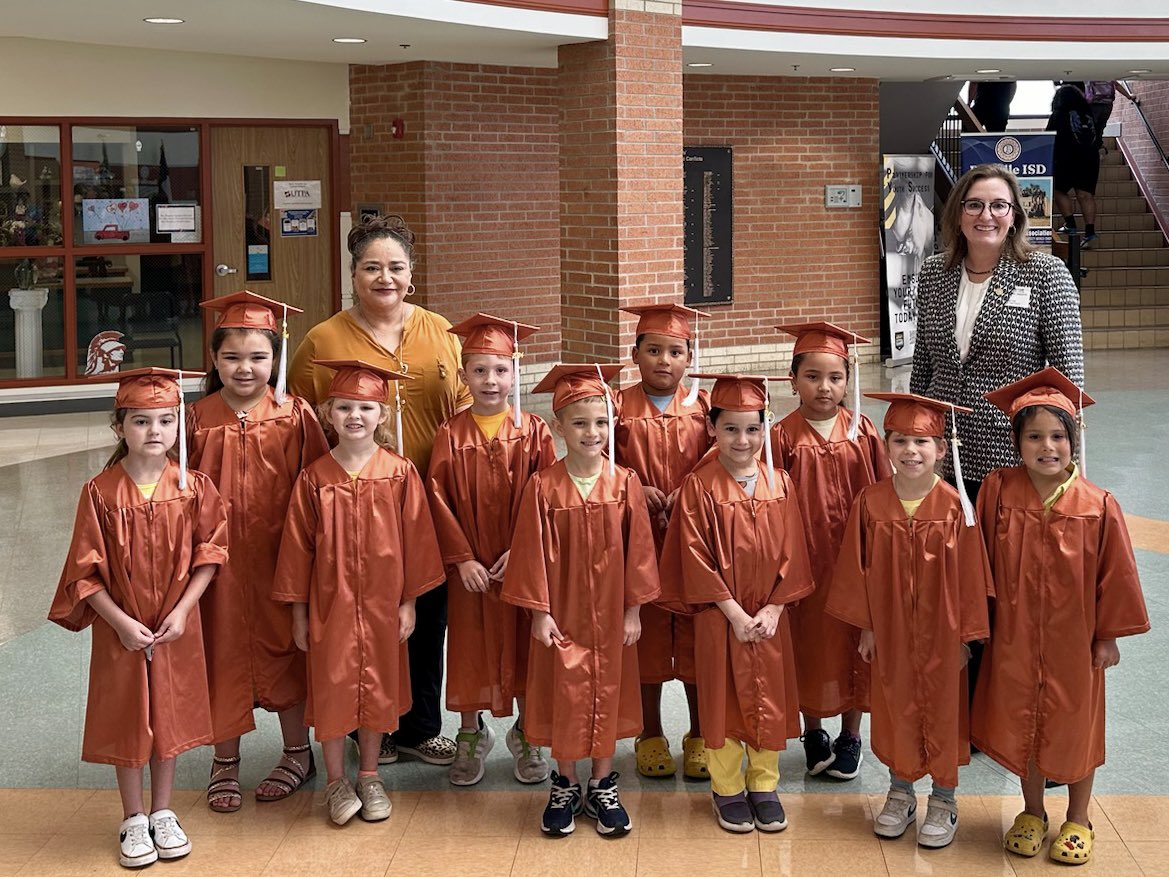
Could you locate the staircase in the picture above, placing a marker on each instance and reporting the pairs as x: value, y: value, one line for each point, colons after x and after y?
x: 1124, y: 300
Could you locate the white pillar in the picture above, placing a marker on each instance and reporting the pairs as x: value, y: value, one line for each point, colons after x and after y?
x: 28, y: 304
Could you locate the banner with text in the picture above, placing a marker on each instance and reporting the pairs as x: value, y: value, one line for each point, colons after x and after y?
x: 908, y: 230
x: 1029, y: 156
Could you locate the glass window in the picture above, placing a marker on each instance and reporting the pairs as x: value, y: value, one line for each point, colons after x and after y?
x: 32, y: 319
x: 123, y: 175
x: 30, y: 186
x: 147, y: 304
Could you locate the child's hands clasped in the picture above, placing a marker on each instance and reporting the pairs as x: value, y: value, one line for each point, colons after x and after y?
x: 1105, y: 654
x: 499, y: 568
x: 474, y: 575
x: 172, y: 626
x: 544, y: 629
x: 766, y: 621
x: 134, y: 635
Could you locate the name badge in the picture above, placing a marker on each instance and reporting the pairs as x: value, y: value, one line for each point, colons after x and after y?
x: 1020, y: 298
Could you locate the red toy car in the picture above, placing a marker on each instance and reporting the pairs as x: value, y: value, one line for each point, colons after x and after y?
x: 111, y: 232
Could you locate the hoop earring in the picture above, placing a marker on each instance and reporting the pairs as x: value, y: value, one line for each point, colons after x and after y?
x: 410, y: 289
x: 1012, y: 231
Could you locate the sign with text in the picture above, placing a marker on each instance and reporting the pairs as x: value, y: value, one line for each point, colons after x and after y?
x: 707, y: 256
x: 908, y: 230
x: 296, y: 194
x: 1029, y: 156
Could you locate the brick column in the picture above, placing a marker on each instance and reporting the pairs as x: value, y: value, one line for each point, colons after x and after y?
x: 620, y: 175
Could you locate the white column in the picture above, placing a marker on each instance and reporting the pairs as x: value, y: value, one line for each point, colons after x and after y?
x: 28, y: 304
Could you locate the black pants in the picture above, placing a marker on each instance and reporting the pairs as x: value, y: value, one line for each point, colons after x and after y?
x: 425, y: 646
x: 972, y: 667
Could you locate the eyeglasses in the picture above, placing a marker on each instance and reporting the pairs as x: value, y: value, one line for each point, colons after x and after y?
x: 975, y: 206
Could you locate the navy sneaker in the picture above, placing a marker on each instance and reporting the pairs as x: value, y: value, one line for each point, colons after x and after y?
x: 564, y: 802
x: 818, y: 751
x: 603, y: 805
x: 1089, y: 241
x: 847, y: 763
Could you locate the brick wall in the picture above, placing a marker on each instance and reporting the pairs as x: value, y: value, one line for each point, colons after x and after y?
x: 475, y: 176
x: 1154, y: 98
x: 794, y: 260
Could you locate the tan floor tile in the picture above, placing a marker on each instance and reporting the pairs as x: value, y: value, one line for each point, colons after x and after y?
x: 74, y: 855
x: 273, y: 818
x: 431, y: 855
x: 829, y: 816
x: 101, y: 813
x: 584, y: 853
x: 967, y: 856
x: 223, y: 855
x: 356, y: 849
x: 711, y: 857
x: 475, y: 814
x: 1149, y: 855
x: 784, y: 856
x: 672, y: 814
x: 1108, y: 857
x: 17, y: 849
x: 1136, y: 817
x: 31, y: 810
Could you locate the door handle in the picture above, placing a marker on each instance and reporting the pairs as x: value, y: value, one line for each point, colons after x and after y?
x: 222, y: 270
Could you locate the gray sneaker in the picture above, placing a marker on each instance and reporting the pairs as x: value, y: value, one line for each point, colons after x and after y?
x: 940, y: 825
x: 471, y: 748
x: 530, y: 764
x: 375, y: 803
x: 342, y: 801
x: 899, y: 812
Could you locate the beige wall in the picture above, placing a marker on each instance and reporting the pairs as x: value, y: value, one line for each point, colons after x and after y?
x: 77, y: 79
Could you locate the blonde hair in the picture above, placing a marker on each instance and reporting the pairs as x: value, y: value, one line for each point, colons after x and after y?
x: 121, y: 449
x: 954, y: 242
x: 383, y: 434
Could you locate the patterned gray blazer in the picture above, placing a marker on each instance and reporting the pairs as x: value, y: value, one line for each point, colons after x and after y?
x: 1010, y: 341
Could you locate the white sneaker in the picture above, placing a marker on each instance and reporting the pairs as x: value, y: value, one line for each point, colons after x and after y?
x: 169, y: 838
x: 136, y: 849
x: 941, y: 824
x: 898, y: 814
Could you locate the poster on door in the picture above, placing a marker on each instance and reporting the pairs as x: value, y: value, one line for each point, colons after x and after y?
x: 1029, y: 156
x: 298, y: 223
x: 907, y: 228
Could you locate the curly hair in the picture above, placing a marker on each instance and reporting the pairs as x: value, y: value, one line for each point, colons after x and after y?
x: 379, y: 228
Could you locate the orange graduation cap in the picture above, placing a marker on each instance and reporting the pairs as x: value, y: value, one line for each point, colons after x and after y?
x: 746, y: 393
x: 911, y: 414
x: 822, y: 337
x: 247, y: 310
x: 154, y: 387
x: 571, y: 382
x: 365, y: 382
x: 495, y: 336
x: 673, y: 321
x: 1047, y: 387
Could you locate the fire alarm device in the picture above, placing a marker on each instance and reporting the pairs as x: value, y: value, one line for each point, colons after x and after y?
x: 398, y: 128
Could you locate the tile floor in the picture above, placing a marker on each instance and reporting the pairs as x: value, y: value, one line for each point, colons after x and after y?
x: 59, y: 816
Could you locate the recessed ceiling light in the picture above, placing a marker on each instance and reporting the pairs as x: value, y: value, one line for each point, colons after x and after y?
x: 163, y: 20
x: 700, y: 64
x: 989, y: 70
x: 1138, y: 72
x: 842, y: 69
x: 348, y: 40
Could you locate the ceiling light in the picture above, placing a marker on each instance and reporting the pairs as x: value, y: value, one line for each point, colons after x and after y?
x: 989, y: 70
x: 700, y: 64
x: 842, y: 69
x: 348, y: 40
x: 1139, y: 72
x: 163, y: 20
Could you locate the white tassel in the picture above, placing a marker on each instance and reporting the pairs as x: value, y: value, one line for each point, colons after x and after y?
x: 182, y: 435
x: 855, y: 426
x: 1081, y: 443
x: 692, y: 396
x: 515, y: 359
x: 963, y: 497
x: 767, y: 453
x: 282, y: 369
x: 609, y: 415
x: 398, y: 418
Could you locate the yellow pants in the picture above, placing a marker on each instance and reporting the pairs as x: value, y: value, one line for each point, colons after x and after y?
x: 726, y: 769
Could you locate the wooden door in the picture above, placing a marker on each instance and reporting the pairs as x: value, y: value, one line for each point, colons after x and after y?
x: 301, y: 266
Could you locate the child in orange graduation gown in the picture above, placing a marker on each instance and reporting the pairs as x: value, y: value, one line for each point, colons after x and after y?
x: 735, y: 554
x: 583, y: 564
x: 830, y: 453
x: 661, y: 434
x: 358, y: 549
x: 1067, y: 588
x: 252, y: 440
x: 148, y: 538
x: 913, y: 576
x: 482, y: 460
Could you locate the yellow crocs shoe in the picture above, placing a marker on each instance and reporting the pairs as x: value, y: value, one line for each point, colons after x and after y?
x: 1073, y: 845
x: 1026, y: 835
x: 653, y: 757
x: 694, y: 758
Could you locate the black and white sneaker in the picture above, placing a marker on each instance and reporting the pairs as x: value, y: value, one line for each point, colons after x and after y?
x: 818, y: 751
x: 564, y: 802
x: 846, y: 763
x: 603, y: 805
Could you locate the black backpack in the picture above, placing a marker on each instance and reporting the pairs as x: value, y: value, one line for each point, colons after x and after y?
x: 1083, y: 127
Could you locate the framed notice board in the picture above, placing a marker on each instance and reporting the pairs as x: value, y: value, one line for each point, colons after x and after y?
x: 706, y: 260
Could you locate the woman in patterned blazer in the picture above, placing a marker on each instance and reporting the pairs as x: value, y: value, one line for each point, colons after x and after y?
x: 990, y: 310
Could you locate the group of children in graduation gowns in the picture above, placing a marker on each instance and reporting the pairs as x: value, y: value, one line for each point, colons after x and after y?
x: 818, y: 579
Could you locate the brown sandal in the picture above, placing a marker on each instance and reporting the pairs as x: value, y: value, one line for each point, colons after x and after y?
x: 289, y: 779
x: 220, y: 792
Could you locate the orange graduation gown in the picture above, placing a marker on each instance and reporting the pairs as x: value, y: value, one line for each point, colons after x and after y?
x: 921, y: 586
x: 254, y: 461
x: 828, y: 474
x: 584, y: 562
x: 1063, y: 580
x: 142, y: 551
x: 724, y: 544
x: 662, y: 447
x: 474, y: 487
x: 354, y: 549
